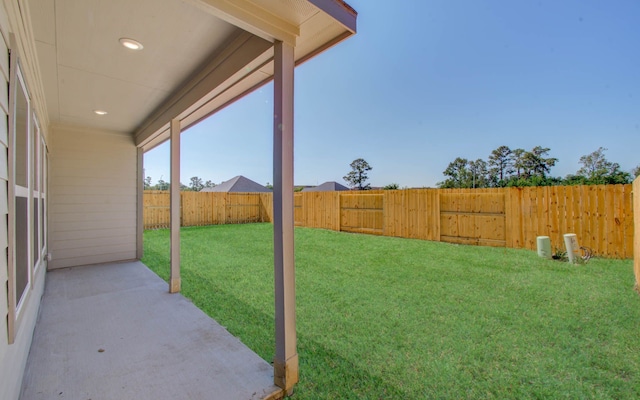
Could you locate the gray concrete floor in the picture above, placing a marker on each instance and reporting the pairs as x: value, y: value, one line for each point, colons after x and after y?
x: 114, y: 332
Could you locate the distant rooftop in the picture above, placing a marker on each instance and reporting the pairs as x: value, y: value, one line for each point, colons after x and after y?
x: 326, y: 187
x: 238, y: 184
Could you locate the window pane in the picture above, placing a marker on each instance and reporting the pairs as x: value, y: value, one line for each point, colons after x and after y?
x: 36, y: 236
x: 42, y: 225
x: 43, y: 188
x: 42, y: 166
x: 36, y: 157
x: 21, y: 144
x: 22, y: 246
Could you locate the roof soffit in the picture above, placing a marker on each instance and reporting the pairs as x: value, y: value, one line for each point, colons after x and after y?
x: 84, y: 67
x: 189, y: 52
x: 222, y: 70
x: 260, y: 21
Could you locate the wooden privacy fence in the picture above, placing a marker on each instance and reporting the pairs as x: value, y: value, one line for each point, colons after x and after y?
x: 207, y: 208
x: 601, y: 216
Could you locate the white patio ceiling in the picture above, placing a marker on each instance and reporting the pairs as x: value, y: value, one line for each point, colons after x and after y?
x: 198, y: 56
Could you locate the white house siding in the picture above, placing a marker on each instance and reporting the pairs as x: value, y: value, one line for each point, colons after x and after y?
x: 5, y: 390
x: 92, y: 197
x: 13, y: 357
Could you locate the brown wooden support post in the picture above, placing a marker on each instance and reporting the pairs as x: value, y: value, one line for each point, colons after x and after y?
x: 140, y: 205
x: 286, y: 358
x: 174, y: 280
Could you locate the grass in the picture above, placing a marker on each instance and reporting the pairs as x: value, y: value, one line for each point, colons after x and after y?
x: 381, y: 317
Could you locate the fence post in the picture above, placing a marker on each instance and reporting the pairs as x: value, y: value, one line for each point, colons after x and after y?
x: 636, y: 235
x: 436, y: 213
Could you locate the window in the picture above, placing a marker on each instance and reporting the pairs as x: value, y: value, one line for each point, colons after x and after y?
x: 38, y: 214
x: 43, y: 199
x: 27, y: 159
x: 22, y: 140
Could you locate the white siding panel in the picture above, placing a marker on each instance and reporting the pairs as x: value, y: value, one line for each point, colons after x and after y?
x: 73, y: 195
x: 4, y: 126
x: 90, y: 208
x: 89, y: 251
x: 3, y: 225
x: 88, y: 260
x: 92, y: 197
x: 8, y: 354
x: 107, y: 183
x: 4, y: 59
x: 4, y: 98
x: 89, y: 224
x: 4, y: 206
x: 4, y: 77
x: 3, y: 305
x: 93, y: 160
x: 4, y: 173
x: 102, y: 234
x: 90, y: 218
x: 86, y: 243
x: 89, y: 171
x: 13, y: 358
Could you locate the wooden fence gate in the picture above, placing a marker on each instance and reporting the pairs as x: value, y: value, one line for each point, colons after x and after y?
x: 473, y: 218
x: 362, y: 213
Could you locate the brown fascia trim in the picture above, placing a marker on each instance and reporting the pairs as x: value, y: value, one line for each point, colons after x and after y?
x: 347, y: 7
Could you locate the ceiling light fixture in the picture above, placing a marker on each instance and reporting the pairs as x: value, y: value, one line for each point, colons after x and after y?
x: 100, y: 112
x: 131, y: 44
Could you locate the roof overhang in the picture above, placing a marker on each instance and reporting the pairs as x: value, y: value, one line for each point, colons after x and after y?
x: 198, y: 57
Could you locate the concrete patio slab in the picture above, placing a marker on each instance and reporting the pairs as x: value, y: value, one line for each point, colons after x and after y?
x: 114, y: 332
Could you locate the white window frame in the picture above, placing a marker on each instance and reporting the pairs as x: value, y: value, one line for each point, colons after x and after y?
x: 23, y: 192
x: 36, y: 194
x: 36, y: 158
x: 44, y: 207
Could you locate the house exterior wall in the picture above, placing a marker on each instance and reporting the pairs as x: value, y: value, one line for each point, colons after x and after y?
x: 4, y: 206
x: 93, y: 197
x: 13, y: 357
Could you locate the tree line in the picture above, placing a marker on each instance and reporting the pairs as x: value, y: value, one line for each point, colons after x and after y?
x: 503, y: 168
x: 196, y: 184
x: 508, y: 168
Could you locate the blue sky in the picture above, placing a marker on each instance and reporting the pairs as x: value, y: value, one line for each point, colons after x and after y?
x: 424, y: 82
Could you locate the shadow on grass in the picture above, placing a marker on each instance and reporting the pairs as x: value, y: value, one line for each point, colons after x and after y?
x: 324, y: 374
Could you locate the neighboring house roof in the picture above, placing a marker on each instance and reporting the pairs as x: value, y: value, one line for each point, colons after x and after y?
x: 326, y: 187
x: 238, y: 184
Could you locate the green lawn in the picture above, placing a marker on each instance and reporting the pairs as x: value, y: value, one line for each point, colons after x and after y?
x: 382, y: 317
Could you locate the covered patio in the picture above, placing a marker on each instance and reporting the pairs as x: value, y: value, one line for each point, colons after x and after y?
x: 113, y: 331
x: 92, y: 86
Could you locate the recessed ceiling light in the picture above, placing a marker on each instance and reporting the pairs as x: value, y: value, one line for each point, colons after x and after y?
x: 100, y: 112
x: 131, y: 44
